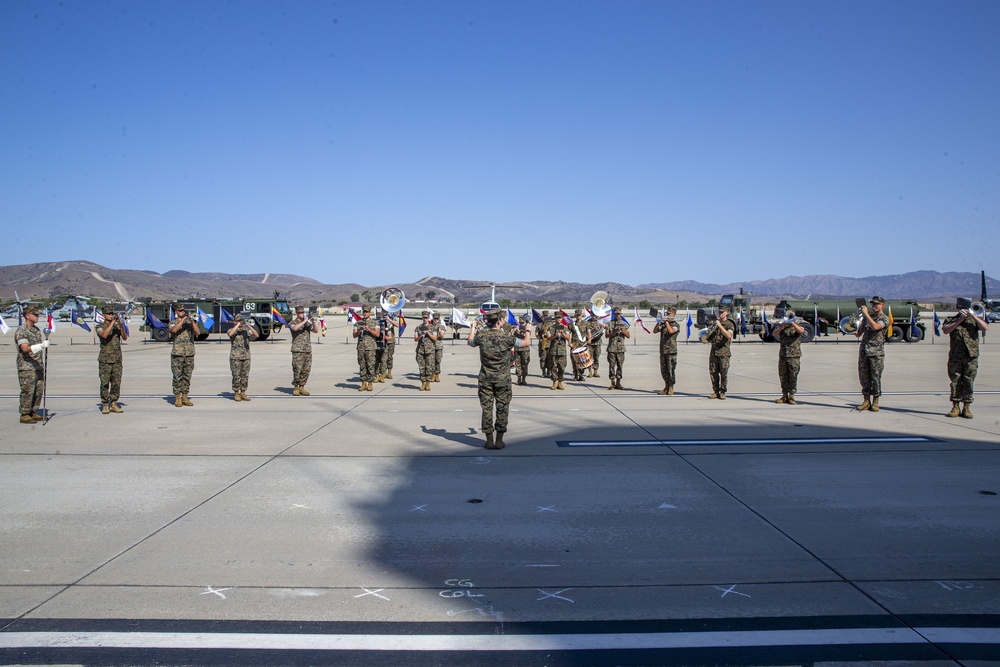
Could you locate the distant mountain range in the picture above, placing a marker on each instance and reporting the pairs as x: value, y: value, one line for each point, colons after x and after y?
x: 53, y: 279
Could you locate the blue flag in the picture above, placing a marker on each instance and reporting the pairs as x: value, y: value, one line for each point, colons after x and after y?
x: 816, y: 321
x: 153, y: 321
x: 914, y: 329
x: 224, y: 315
x: 77, y: 318
x: 937, y: 323
x: 536, y: 317
x: 207, y: 321
x: 511, y: 320
x: 743, y: 322
x: 689, y: 323
x: 767, y: 325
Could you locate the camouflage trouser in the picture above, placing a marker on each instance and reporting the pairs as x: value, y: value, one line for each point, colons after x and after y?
x: 495, y: 393
x: 182, y: 369
x: 425, y: 364
x: 557, y: 365
x: 438, y: 353
x: 383, y: 359
x: 522, y: 356
x: 962, y: 372
x: 241, y: 374
x: 595, y: 354
x: 668, y: 369
x: 616, y: 363
x: 366, y: 365
x: 111, y: 381
x: 788, y: 373
x: 543, y: 354
x: 870, y: 374
x: 301, y: 367
x: 32, y: 388
x: 718, y: 371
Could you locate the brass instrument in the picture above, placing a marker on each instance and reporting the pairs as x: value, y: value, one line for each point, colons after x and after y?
x: 600, y: 304
x: 977, y: 309
x: 849, y: 325
x: 392, y: 300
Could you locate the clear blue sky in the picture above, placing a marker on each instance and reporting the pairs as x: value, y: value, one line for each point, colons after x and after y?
x: 380, y: 142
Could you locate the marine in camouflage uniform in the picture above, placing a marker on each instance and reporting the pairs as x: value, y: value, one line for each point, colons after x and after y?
x: 386, y: 349
x: 579, y: 337
x: 963, y: 358
x: 720, y: 354
x: 495, y: 347
x: 596, y: 336
x: 522, y: 355
x: 184, y: 330
x: 440, y: 331
x: 367, y: 333
x: 789, y: 335
x: 240, y: 335
x: 668, y: 330
x: 871, y: 353
x: 424, y: 337
x: 301, y: 329
x: 30, y: 371
x: 558, y: 336
x: 109, y: 360
x: 543, y: 343
x: 618, y: 331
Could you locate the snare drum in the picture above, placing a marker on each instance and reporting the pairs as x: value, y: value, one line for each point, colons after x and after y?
x: 581, y: 356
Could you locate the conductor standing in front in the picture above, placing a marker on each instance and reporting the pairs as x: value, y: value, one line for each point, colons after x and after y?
x: 495, y: 346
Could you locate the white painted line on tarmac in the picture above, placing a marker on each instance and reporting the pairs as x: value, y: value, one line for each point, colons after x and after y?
x: 748, y: 441
x: 535, y: 642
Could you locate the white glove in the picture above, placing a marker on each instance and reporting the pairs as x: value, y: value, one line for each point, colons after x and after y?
x: 38, y: 347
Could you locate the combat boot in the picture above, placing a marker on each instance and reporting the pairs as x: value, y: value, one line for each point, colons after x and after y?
x: 499, y: 444
x: 389, y: 374
x: 555, y: 384
x: 967, y: 411
x: 243, y: 394
x: 489, y: 441
x: 864, y: 406
x: 362, y: 387
x: 954, y: 410
x: 722, y: 395
x: 670, y: 390
x: 296, y: 392
x: 783, y: 399
x: 105, y: 409
x: 612, y: 385
x: 596, y: 374
x: 715, y: 394
x: 237, y: 397
x: 618, y: 384
x: 177, y: 400
x: 186, y: 401
x: 791, y: 399
x: 37, y: 417
x: 663, y: 392
x: 371, y: 386
x: 302, y: 391
x: 436, y: 378
x: 114, y: 408
x: 560, y: 385
x: 874, y: 406
x: 26, y: 419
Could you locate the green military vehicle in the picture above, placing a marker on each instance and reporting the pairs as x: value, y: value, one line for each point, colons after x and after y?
x: 256, y: 311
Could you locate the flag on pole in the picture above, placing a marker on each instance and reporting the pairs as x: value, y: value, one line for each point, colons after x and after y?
x: 566, y: 319
x: 224, y: 316
x: 743, y: 322
x: 277, y: 316
x: 511, y: 319
x: 51, y: 322
x: 153, y: 321
x: 937, y: 322
x: 767, y: 325
x: 459, y: 318
x: 124, y: 321
x: 98, y: 316
x: 3, y: 326
x: 816, y: 325
x: 838, y: 320
x: 207, y: 320
x: 322, y: 320
x: 402, y: 323
x: 889, y: 333
x: 536, y: 317
x: 689, y: 323
x: 914, y: 329
x: 352, y: 317
x: 76, y: 317
x: 638, y: 320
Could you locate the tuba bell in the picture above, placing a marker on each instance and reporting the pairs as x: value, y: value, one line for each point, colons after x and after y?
x: 392, y: 300
x: 600, y: 304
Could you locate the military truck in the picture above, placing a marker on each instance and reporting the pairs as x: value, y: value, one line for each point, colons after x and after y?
x: 255, y: 311
x: 822, y: 316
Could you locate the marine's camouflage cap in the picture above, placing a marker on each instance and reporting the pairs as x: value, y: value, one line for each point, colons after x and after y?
x: 525, y: 318
x: 876, y: 300
x: 31, y: 310
x: 299, y: 309
x: 425, y: 313
x: 437, y: 316
x: 366, y: 309
x: 578, y: 311
x: 108, y: 310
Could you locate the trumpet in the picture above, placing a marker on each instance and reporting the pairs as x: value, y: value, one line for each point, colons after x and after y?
x: 977, y: 309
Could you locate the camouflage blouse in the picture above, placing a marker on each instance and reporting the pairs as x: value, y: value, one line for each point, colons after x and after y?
x: 183, y: 341
x: 28, y: 335
x: 872, y: 341
x: 366, y: 341
x: 240, y: 345
x: 616, y: 339
x: 964, y: 339
x: 111, y: 347
x: 494, y: 354
x: 668, y: 341
x: 301, y: 339
x: 721, y: 345
x: 791, y: 342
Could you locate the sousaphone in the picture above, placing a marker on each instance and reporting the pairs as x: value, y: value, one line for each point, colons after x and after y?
x: 392, y: 300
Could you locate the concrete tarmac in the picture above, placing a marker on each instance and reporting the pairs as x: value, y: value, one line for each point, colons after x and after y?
x: 617, y: 527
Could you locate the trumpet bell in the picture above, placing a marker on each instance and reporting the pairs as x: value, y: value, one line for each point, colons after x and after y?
x: 978, y: 308
x: 392, y: 300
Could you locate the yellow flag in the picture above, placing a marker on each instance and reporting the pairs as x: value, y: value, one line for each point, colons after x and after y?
x: 890, y: 321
